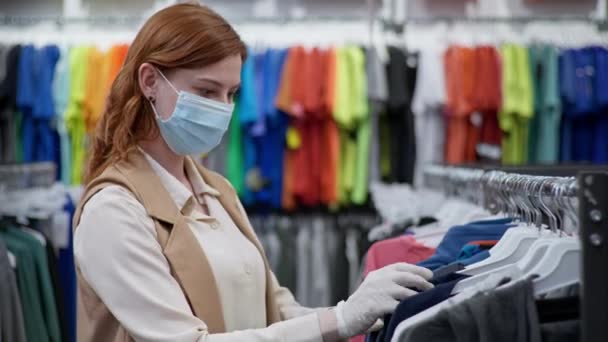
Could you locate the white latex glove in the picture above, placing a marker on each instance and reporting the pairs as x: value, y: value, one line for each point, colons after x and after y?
x: 378, y: 295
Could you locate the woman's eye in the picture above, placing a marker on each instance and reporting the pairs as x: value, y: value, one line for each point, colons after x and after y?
x: 206, y: 92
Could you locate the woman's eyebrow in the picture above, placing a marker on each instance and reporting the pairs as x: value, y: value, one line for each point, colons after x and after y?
x: 216, y: 82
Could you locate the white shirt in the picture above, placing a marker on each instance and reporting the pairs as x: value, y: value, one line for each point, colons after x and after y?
x: 427, y: 105
x: 117, y: 251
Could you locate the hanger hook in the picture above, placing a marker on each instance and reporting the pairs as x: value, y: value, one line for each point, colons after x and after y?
x: 547, y: 210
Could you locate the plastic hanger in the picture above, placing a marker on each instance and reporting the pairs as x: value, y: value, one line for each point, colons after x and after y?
x: 517, y: 252
x: 12, y: 260
x: 511, y: 247
x: 560, y: 265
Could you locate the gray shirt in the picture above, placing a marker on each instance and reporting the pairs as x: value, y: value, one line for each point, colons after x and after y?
x: 507, y: 314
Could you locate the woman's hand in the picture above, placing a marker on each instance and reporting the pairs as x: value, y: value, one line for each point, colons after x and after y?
x: 379, y: 294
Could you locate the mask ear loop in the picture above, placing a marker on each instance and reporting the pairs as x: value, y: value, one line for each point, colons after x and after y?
x: 170, y: 84
x: 151, y: 99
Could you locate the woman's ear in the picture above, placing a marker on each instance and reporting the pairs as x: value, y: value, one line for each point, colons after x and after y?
x: 148, y: 80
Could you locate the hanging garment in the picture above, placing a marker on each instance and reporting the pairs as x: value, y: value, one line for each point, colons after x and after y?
x: 418, y: 303
x: 95, y: 95
x: 12, y: 326
x: 273, y: 143
x: 36, y: 288
x: 283, y: 103
x: 544, y: 127
x: 35, y: 101
x: 35, y: 327
x: 9, y: 137
x: 488, y: 101
x: 506, y: 314
x: 377, y: 93
x: 234, y: 159
x: 331, y: 134
x: 461, y: 133
x: 457, y: 237
x: 248, y: 115
x: 400, y: 249
x: 600, y: 152
x: 115, y: 58
x: 67, y: 272
x: 61, y: 97
x: 427, y: 105
x: 518, y: 103
x: 401, y: 71
x: 585, y: 105
x: 567, y: 77
x: 74, y: 115
x: 307, y: 188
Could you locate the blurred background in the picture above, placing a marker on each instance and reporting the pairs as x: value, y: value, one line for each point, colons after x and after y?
x: 344, y: 103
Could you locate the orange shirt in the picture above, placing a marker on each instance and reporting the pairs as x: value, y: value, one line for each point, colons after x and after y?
x: 115, y: 59
x: 331, y: 134
x: 283, y: 99
x: 299, y: 78
x: 94, y: 95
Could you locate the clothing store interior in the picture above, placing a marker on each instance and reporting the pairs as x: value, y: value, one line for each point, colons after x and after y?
x: 467, y: 137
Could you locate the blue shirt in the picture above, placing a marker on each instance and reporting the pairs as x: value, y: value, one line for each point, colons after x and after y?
x: 585, y: 105
x: 259, y: 127
x: 420, y: 302
x: 600, y: 149
x: 567, y: 77
x: 585, y: 75
x: 25, y: 99
x: 457, y: 237
x: 271, y: 145
x: 247, y: 97
x: 35, y: 101
x: 67, y: 275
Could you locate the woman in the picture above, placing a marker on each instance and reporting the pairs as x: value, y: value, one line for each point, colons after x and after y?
x: 163, y: 247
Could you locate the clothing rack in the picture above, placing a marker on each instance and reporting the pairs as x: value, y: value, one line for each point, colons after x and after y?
x: 24, y: 176
x: 590, y: 187
x: 134, y: 20
x: 399, y: 26
x: 593, y: 201
x: 386, y: 24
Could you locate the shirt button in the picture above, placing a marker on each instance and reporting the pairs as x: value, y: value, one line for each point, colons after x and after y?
x: 215, y: 225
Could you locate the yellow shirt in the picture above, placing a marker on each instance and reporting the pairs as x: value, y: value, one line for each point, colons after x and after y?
x: 74, y: 117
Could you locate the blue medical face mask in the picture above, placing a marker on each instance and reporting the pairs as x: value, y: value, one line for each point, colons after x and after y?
x: 197, y: 124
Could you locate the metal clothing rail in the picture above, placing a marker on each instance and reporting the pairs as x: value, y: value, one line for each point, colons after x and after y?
x: 132, y: 20
x: 24, y: 176
x: 593, y: 218
x: 520, y: 183
x: 387, y: 24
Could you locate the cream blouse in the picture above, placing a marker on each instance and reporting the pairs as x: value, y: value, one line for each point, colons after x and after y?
x: 116, y: 248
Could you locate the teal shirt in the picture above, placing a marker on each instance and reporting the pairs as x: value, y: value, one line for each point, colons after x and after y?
x: 543, y: 143
x: 61, y: 94
x: 43, y: 283
x: 547, y: 150
x: 27, y: 280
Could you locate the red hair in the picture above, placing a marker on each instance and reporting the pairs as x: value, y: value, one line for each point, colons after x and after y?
x: 179, y: 36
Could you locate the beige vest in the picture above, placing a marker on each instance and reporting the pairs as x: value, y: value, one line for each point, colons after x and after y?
x: 189, y: 265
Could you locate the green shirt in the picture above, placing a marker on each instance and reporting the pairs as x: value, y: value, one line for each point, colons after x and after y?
x: 43, y: 281
x: 29, y: 294
x: 234, y: 161
x: 518, y: 103
x: 74, y: 115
